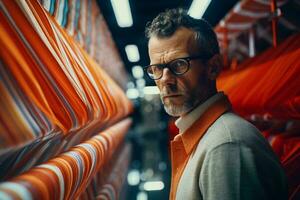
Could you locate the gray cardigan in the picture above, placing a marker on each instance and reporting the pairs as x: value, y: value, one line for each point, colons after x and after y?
x: 232, y: 161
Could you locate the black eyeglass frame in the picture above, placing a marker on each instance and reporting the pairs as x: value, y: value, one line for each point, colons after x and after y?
x: 166, y: 65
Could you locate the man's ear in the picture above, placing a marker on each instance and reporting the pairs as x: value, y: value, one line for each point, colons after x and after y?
x: 214, y: 66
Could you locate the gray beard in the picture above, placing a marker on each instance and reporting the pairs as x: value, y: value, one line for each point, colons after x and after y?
x: 180, y: 110
x: 177, y: 111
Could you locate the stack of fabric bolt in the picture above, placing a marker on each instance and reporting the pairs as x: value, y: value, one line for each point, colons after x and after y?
x: 54, y: 97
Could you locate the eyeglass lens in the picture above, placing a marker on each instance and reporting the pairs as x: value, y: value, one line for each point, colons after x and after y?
x: 178, y: 66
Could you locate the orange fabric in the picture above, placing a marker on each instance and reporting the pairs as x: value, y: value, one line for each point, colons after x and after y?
x: 268, y: 83
x: 54, y: 74
x: 183, y: 145
x: 77, y: 166
x: 14, y: 56
x: 286, y: 146
x: 55, y: 96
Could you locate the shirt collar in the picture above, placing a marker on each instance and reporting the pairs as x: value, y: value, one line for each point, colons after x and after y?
x: 190, y: 138
x: 183, y: 123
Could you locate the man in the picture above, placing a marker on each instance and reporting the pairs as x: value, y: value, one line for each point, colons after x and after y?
x: 217, y: 155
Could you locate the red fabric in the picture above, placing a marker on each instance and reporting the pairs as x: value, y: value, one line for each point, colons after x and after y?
x: 277, y: 143
x: 268, y: 83
x: 291, y: 164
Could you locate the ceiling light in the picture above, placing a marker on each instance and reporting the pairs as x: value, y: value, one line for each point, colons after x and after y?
x: 133, y: 177
x: 132, y: 93
x: 122, y: 12
x: 130, y: 84
x: 198, y: 8
x: 151, y: 90
x: 132, y: 53
x: 137, y: 72
x: 140, y: 83
x: 153, y: 185
x: 142, y: 196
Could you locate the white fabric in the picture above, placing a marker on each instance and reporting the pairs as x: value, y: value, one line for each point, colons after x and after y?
x: 5, y: 196
x: 17, y: 188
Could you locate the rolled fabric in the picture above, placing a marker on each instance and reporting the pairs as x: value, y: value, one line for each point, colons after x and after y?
x: 67, y: 175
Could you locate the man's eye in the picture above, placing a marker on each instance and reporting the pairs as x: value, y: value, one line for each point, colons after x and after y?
x: 178, y: 65
x: 154, y: 69
x: 157, y: 68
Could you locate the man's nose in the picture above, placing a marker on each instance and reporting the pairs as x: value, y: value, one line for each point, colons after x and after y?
x: 168, y: 76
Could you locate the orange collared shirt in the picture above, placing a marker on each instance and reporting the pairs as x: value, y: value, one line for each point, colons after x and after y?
x: 184, y: 144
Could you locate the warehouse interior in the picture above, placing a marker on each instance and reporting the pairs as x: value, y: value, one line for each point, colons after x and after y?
x: 79, y: 117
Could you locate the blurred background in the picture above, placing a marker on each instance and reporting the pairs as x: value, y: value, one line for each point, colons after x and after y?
x: 71, y: 71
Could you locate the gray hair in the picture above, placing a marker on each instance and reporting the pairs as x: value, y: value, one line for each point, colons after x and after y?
x: 166, y: 23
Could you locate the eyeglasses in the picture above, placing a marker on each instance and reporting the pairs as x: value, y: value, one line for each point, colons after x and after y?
x: 178, y: 66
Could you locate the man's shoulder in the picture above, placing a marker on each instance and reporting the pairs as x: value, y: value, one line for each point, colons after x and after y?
x: 231, y: 128
x: 233, y: 124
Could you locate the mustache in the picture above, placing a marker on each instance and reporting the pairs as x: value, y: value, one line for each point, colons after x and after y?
x: 168, y: 91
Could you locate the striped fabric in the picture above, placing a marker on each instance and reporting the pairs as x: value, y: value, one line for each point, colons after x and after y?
x: 54, y: 96
x: 67, y: 175
x: 243, y: 16
x: 42, y: 66
x: 83, y: 20
x: 110, y: 187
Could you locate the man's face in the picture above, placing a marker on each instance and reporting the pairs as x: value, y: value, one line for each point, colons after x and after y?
x: 179, y: 94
